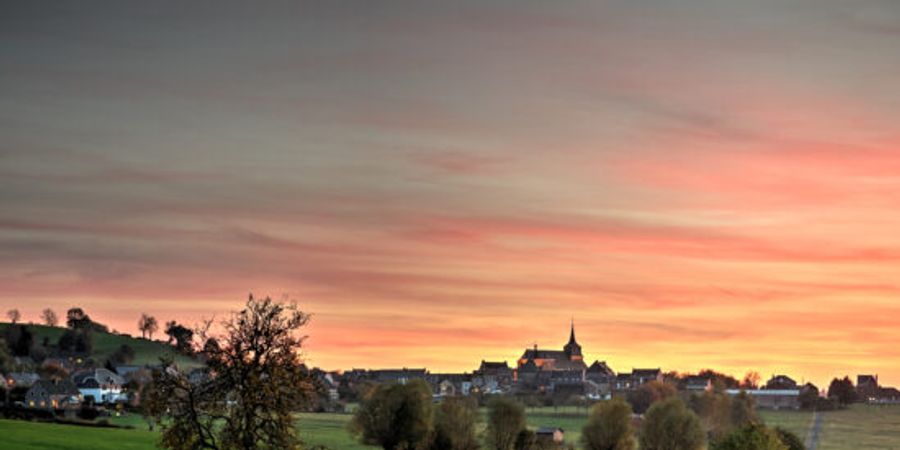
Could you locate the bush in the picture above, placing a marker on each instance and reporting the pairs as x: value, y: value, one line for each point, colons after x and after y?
x: 454, y: 425
x: 751, y: 437
x: 669, y: 424
x: 609, y: 427
x: 395, y: 415
x: 789, y: 439
x: 648, y: 394
x: 506, y: 419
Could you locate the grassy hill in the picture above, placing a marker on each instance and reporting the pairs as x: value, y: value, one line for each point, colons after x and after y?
x: 105, y: 344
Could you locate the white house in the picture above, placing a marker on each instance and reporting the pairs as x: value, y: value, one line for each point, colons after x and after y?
x: 102, y: 385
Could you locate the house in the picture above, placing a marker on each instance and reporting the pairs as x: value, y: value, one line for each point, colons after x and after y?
x: 101, y: 385
x: 640, y: 377
x: 550, y: 435
x: 399, y: 376
x: 46, y: 394
x: 771, y: 398
x: 867, y: 387
x: 697, y: 383
x: 21, y: 379
x: 779, y: 382
x: 493, y: 377
x: 451, y: 384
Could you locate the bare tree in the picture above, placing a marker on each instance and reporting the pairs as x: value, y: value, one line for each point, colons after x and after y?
x: 14, y: 315
x: 49, y: 317
x: 254, y: 381
x: 148, y: 325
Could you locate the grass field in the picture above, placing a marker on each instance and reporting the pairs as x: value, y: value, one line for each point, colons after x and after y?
x: 105, y: 344
x: 862, y: 427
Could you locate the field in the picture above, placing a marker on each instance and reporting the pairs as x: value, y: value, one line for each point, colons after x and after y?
x: 861, y: 427
x: 105, y: 344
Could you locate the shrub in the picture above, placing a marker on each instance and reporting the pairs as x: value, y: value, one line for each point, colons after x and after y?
x: 609, y: 427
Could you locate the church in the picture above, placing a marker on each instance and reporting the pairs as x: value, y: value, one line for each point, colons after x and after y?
x: 569, y: 358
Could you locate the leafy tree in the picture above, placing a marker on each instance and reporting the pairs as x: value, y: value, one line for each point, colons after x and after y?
x: 809, y: 396
x: 751, y: 380
x: 6, y: 359
x: 49, y: 317
x: 526, y: 440
x: 13, y: 315
x: 843, y: 391
x: 256, y: 381
x: 714, y: 409
x: 76, y: 341
x: 395, y: 416
x: 20, y: 339
x: 743, y: 410
x: 789, y: 439
x: 751, y: 437
x: 609, y: 427
x: 454, y: 425
x: 506, y: 418
x: 720, y: 381
x: 670, y: 425
x: 123, y: 355
x: 147, y: 325
x: 77, y: 319
x: 53, y: 372
x: 648, y: 394
x: 181, y: 335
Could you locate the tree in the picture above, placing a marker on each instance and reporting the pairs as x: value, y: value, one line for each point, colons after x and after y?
x: 809, y: 396
x: 648, y: 394
x: 77, y: 319
x: 76, y: 341
x: 395, y: 415
x: 255, y: 381
x: 49, y: 317
x: 19, y: 339
x: 506, y: 418
x: 715, y: 410
x: 751, y: 437
x: 123, y: 355
x: 13, y: 315
x: 454, y: 425
x: 181, y: 335
x: 53, y: 372
x: 147, y: 325
x: 789, y: 439
x: 670, y: 425
x: 609, y: 427
x: 743, y: 410
x: 751, y: 380
x: 842, y: 390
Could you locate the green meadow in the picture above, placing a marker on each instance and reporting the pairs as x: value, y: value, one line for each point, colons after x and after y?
x: 860, y: 427
x: 105, y: 344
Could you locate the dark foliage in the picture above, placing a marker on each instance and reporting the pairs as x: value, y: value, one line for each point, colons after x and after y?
x: 395, y: 416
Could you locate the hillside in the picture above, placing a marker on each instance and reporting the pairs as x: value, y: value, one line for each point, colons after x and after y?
x: 146, y: 351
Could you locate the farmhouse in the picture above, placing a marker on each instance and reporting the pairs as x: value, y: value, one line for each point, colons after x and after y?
x: 102, y: 385
x: 46, y: 394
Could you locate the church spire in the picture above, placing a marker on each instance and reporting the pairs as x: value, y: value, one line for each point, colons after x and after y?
x: 572, y: 349
x: 572, y: 333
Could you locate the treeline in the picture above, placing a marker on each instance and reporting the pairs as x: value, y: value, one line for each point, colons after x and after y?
x: 397, y: 416
x: 18, y: 340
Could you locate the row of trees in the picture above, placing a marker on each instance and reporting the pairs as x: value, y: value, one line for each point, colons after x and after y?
x: 396, y: 416
x: 48, y: 317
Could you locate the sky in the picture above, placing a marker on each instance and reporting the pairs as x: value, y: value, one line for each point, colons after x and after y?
x: 697, y: 183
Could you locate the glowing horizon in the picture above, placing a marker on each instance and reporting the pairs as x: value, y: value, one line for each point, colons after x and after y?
x: 701, y: 186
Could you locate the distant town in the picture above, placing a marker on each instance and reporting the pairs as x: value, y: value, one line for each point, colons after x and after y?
x: 61, y: 375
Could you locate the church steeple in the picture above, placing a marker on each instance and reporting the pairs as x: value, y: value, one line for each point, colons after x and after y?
x: 572, y: 349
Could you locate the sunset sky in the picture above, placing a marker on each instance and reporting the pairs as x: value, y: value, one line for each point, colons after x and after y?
x: 697, y: 183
